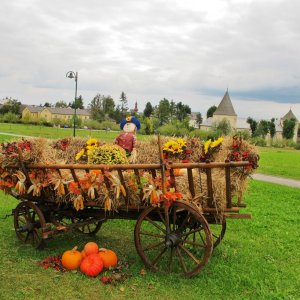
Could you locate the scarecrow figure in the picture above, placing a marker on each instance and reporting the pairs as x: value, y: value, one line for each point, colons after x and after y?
x: 127, y: 138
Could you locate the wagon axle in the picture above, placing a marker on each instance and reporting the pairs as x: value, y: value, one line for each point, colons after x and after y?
x: 172, y: 240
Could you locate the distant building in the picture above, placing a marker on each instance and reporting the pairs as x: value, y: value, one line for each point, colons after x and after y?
x: 226, y: 111
x: 51, y: 114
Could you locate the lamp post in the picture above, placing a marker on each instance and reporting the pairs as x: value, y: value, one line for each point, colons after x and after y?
x: 72, y: 75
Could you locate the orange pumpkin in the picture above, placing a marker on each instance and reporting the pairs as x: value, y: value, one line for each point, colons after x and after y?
x: 109, y: 257
x: 91, y: 248
x: 71, y: 259
x: 92, y: 265
x: 83, y: 254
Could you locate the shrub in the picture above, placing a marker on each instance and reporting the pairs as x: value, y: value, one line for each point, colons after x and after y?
x: 283, y: 143
x: 259, y: 141
x: 297, y: 146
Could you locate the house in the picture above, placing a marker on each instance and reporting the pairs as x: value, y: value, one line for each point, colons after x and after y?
x: 51, y: 114
x: 226, y: 111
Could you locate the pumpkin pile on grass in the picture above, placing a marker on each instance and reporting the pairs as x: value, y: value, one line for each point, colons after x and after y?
x: 91, y: 260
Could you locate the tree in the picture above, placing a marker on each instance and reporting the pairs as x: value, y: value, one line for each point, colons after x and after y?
x: 222, y: 128
x: 182, y: 111
x: 108, y: 104
x: 211, y: 111
x: 96, y: 107
x: 11, y: 106
x: 172, y: 110
x: 117, y: 114
x: 288, y: 128
x: 262, y: 128
x: 78, y: 104
x: 199, y: 119
x: 47, y: 104
x: 272, y: 127
x: 124, y: 103
x: 253, y: 125
x: 61, y: 104
x: 148, y: 110
x: 163, y: 111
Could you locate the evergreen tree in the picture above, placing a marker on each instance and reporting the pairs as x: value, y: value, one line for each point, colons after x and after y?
x: 124, y: 103
x: 182, y: 111
x: 163, y: 111
x: 272, y: 127
x: 148, y: 110
x: 253, y: 125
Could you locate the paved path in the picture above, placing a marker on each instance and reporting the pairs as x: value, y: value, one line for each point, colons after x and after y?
x: 12, y: 134
x: 278, y: 180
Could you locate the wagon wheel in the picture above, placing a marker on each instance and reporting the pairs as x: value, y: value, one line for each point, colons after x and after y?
x: 218, y: 232
x: 29, y: 223
x: 176, y: 240
x: 90, y: 229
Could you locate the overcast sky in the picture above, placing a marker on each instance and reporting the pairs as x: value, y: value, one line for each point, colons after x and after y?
x: 189, y: 51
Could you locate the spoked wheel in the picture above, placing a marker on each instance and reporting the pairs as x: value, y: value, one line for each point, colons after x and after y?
x: 90, y: 228
x: 218, y: 231
x: 175, y: 239
x: 29, y: 223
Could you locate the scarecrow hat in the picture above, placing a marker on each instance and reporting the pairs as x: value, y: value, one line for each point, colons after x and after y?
x: 130, y: 119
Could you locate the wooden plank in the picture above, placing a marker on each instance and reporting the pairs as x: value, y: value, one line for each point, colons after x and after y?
x: 209, y: 188
x: 228, y: 185
x: 214, y: 210
x: 136, y: 166
x: 238, y: 216
x: 191, y: 182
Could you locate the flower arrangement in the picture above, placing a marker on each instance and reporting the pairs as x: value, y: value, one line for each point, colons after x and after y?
x: 62, y: 144
x: 176, y: 149
x: 107, y: 154
x: 209, y: 148
x: 10, y: 151
x: 85, y: 152
x: 238, y: 153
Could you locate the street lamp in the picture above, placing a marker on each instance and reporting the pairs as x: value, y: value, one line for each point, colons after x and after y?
x: 72, y: 75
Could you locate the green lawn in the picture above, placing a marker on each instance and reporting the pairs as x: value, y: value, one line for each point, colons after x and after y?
x: 258, y: 258
x: 279, y: 162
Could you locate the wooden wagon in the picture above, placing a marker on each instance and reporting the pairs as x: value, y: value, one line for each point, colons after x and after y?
x: 173, y: 236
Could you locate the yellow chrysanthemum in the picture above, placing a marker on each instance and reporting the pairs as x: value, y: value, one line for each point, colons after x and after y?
x: 79, y: 154
x: 206, y: 146
x: 217, y: 142
x: 92, y: 142
x: 181, y: 143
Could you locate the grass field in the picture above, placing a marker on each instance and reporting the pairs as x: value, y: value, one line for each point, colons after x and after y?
x: 258, y: 258
x: 279, y: 162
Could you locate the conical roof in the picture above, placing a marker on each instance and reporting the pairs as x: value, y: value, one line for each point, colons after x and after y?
x: 288, y: 116
x: 225, y: 107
